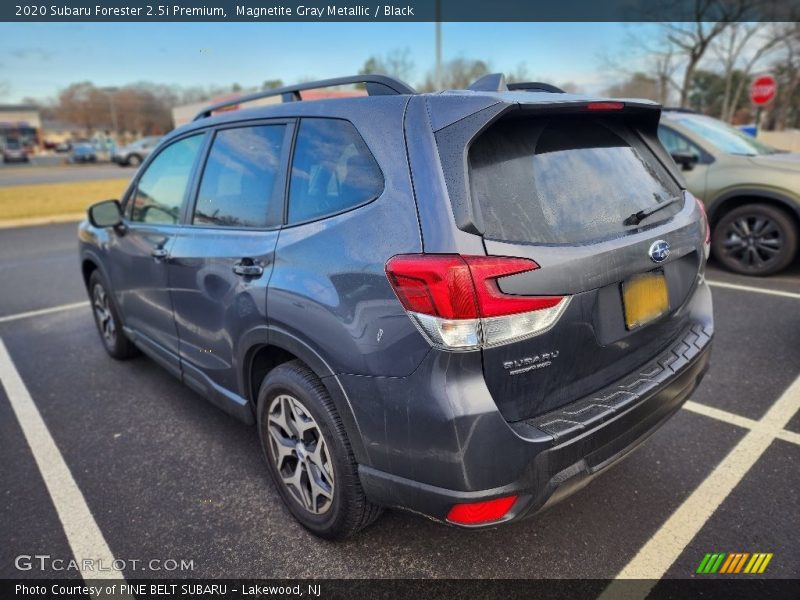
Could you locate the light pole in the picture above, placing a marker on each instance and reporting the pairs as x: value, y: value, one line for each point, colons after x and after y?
x: 438, y: 45
x: 108, y: 91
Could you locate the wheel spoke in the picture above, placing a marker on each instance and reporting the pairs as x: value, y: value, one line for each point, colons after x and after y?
x: 281, y: 446
x: 294, y: 482
x: 299, y: 419
x: 278, y: 415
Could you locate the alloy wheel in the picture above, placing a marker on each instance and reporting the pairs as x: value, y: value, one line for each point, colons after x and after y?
x: 102, y: 313
x: 754, y: 241
x: 300, y: 454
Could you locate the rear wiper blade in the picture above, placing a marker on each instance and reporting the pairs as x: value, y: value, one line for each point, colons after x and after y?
x: 640, y: 216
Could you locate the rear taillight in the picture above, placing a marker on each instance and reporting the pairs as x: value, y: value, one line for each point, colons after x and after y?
x: 457, y: 305
x: 704, y: 217
x: 480, y: 513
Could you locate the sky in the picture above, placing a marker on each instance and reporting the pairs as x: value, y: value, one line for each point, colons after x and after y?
x: 39, y: 59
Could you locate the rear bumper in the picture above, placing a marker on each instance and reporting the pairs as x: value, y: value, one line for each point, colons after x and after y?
x: 565, y: 449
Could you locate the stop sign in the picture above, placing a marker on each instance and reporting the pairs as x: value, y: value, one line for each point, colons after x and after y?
x: 762, y: 90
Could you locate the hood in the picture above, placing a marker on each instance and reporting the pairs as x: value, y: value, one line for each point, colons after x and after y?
x: 787, y: 161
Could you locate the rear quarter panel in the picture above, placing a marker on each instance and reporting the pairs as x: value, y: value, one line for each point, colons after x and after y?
x: 328, y: 285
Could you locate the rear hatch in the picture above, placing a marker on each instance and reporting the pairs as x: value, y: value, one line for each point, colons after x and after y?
x: 560, y: 187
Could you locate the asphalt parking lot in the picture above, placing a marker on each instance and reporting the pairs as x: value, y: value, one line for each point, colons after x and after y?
x: 165, y: 475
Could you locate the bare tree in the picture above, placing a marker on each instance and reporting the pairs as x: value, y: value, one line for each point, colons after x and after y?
x: 458, y: 73
x: 786, y: 67
x: 5, y: 89
x: 640, y: 85
x: 397, y: 63
x: 741, y: 48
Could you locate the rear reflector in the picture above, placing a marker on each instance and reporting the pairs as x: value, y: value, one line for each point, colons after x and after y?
x: 478, y: 513
x: 457, y: 305
x: 605, y: 106
x: 702, y: 208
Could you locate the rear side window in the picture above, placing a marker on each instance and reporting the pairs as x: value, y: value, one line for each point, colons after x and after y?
x: 675, y: 142
x: 238, y: 184
x: 161, y: 188
x: 555, y: 180
x: 332, y: 170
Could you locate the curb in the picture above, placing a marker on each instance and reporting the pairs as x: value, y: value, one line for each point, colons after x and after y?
x: 45, y: 220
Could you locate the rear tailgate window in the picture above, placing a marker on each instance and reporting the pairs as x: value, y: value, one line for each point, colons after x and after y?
x: 565, y: 179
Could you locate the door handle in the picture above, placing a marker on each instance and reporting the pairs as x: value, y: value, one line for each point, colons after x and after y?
x: 248, y: 268
x: 159, y: 253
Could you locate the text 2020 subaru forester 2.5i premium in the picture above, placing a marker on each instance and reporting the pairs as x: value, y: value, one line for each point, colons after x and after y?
x: 464, y: 304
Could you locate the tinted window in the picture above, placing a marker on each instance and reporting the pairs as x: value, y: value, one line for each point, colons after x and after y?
x: 238, y: 183
x: 564, y: 181
x: 161, y: 188
x: 675, y: 142
x: 332, y: 170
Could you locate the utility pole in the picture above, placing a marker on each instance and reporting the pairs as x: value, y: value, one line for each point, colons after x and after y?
x: 439, y: 84
x: 108, y: 91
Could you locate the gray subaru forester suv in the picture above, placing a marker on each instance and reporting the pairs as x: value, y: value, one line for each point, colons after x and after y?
x: 465, y: 304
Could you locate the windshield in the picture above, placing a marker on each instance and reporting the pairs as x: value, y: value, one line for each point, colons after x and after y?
x: 725, y: 137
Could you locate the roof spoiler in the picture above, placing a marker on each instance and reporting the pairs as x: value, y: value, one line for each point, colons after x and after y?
x: 377, y: 85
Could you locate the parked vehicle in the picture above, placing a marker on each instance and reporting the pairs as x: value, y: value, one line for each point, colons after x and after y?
x: 751, y: 191
x: 466, y: 304
x: 133, y: 154
x: 83, y: 153
x: 14, y: 151
x: 63, y: 147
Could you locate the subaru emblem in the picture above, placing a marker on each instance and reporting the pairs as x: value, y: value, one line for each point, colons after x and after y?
x: 659, y: 251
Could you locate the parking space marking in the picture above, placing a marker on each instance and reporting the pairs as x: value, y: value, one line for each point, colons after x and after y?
x: 43, y: 311
x: 739, y: 421
x: 666, y: 544
x: 747, y: 288
x: 83, y: 534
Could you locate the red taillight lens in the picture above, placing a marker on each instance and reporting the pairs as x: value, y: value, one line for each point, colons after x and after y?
x: 491, y: 301
x: 477, y: 513
x: 437, y: 285
x: 457, y: 305
x: 702, y: 208
x: 461, y: 287
x: 605, y: 106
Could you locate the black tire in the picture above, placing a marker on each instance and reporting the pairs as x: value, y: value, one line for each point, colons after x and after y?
x: 106, y: 317
x: 133, y: 160
x: 348, y: 511
x: 755, y: 239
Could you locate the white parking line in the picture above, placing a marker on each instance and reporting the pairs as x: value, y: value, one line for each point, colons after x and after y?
x: 739, y: 421
x: 43, y: 311
x: 666, y: 544
x: 84, y: 536
x: 757, y: 290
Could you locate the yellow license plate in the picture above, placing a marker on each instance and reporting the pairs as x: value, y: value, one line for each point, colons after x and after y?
x: 644, y: 298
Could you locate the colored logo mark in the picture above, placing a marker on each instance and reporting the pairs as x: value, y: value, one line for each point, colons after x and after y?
x: 734, y: 562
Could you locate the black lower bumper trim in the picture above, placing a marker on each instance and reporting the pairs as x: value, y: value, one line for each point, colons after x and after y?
x: 564, y: 467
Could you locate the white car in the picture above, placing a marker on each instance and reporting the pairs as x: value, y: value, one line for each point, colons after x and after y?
x: 134, y: 154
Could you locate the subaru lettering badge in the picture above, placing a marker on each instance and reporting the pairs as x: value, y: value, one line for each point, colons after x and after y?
x: 659, y: 251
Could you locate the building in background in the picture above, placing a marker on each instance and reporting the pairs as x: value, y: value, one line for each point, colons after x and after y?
x: 20, y: 122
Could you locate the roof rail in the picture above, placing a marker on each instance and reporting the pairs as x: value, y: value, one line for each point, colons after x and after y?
x: 535, y: 86
x: 377, y: 85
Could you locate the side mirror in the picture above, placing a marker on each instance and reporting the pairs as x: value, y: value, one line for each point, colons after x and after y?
x: 107, y: 213
x: 686, y: 160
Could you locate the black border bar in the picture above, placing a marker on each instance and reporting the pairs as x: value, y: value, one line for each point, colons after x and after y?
x: 400, y: 11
